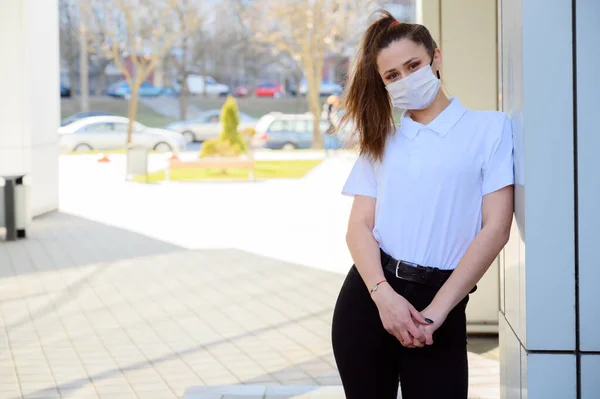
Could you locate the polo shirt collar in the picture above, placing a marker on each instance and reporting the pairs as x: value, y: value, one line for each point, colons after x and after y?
x: 440, y: 125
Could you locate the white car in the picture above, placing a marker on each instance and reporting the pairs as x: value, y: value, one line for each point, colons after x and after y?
x: 207, y: 125
x: 326, y: 89
x: 110, y: 133
x: 196, y: 86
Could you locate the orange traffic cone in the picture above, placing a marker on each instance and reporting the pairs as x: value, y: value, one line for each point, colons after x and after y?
x: 103, y: 158
x: 174, y: 157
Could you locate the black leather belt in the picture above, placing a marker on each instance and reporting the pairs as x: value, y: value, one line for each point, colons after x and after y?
x: 431, y: 276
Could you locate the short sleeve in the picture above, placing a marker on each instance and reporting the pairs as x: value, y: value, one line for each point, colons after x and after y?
x: 498, y: 172
x: 362, y: 179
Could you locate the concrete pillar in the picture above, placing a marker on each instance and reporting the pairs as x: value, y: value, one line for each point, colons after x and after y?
x: 466, y: 32
x: 587, y: 32
x: 428, y: 14
x: 550, y: 318
x: 30, y: 104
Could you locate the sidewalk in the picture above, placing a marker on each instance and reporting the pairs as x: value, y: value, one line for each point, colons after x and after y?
x: 150, y: 293
x: 89, y: 310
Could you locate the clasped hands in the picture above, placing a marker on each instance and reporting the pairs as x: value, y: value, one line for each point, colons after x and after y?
x: 412, y: 328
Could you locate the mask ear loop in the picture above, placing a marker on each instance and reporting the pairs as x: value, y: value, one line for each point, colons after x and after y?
x: 436, y: 72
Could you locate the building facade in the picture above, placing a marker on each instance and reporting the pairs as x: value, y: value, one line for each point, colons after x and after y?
x: 536, y: 61
x: 30, y: 102
x: 550, y: 327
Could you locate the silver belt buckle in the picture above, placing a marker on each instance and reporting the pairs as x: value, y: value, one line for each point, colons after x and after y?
x: 407, y: 263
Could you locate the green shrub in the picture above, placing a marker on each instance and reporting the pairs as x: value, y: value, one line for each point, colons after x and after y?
x: 209, y: 148
x: 218, y: 147
x: 230, y: 142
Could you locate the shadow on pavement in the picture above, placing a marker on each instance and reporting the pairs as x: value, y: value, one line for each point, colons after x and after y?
x: 59, y: 240
x: 122, y: 304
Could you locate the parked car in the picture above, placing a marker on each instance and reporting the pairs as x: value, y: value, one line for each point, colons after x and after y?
x: 268, y: 89
x: 110, y: 133
x: 242, y: 91
x: 327, y: 88
x: 196, y: 86
x: 65, y: 91
x: 81, y: 115
x: 121, y: 89
x: 207, y: 125
x: 279, y: 131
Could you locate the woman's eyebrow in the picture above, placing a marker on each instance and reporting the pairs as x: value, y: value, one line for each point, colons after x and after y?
x: 406, y: 63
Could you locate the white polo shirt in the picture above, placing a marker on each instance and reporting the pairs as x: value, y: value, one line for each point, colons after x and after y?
x: 430, y: 184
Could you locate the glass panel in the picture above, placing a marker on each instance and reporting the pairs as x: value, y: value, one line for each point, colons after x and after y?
x: 214, y: 118
x: 120, y: 127
x: 97, y: 128
x: 289, y: 125
x: 276, y: 126
x: 303, y: 126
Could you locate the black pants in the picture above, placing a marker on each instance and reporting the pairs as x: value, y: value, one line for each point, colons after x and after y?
x: 372, y: 362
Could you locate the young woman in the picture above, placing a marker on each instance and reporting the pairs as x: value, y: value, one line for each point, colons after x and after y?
x: 433, y: 203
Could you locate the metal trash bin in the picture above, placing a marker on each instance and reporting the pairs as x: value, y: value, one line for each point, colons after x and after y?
x: 15, y: 205
x: 137, y: 162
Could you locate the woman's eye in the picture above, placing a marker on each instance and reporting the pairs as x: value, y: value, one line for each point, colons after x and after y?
x: 414, y: 66
x: 392, y: 76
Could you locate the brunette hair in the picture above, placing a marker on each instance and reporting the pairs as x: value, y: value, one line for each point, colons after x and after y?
x: 367, y: 104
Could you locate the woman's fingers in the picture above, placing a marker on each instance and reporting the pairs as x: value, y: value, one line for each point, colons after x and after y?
x: 415, y: 331
x: 428, y: 336
x: 417, y: 316
x: 407, y: 339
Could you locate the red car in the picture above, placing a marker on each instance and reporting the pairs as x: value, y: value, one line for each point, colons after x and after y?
x: 242, y: 91
x: 268, y: 89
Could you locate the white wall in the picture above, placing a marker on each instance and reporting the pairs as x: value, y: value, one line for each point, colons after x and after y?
x: 513, y: 359
x: 588, y: 192
x: 467, y: 40
x: 550, y: 277
x: 30, y: 105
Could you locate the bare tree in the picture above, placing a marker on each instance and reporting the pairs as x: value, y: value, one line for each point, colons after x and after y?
x: 190, y: 49
x: 141, y: 32
x: 253, y: 56
x: 69, y: 39
x: 307, y: 30
x: 101, y: 54
x: 84, y: 77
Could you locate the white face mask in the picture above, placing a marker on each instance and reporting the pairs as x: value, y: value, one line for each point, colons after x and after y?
x: 416, y: 91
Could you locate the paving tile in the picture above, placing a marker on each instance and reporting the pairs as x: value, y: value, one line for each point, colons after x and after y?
x: 287, y: 391
x: 192, y: 395
x: 163, y: 394
x: 91, y: 301
x: 257, y: 392
x: 39, y: 393
x: 331, y: 380
x: 10, y: 392
x: 220, y: 380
